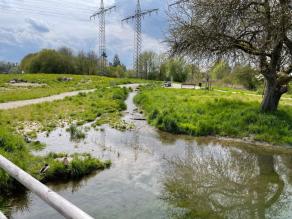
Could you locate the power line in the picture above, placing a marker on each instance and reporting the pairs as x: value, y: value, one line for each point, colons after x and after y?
x: 40, y: 13
x: 39, y: 9
x: 137, y: 17
x: 101, y: 13
x: 57, y: 3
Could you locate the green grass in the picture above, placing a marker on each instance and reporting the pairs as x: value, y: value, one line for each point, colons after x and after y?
x: 80, y: 109
x: 52, y: 85
x: 258, y: 92
x: 75, y: 133
x: 213, y: 113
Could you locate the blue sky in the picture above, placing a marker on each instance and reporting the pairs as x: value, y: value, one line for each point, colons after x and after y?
x: 29, y: 25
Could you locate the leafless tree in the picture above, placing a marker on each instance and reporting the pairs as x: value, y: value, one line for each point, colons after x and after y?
x: 259, y: 30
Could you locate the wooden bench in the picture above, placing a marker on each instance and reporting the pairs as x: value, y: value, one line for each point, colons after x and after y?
x: 186, y: 84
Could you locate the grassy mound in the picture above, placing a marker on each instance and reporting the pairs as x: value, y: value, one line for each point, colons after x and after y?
x: 81, y: 165
x: 204, y: 113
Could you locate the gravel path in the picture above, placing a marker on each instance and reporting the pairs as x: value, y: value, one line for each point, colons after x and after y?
x: 16, y: 104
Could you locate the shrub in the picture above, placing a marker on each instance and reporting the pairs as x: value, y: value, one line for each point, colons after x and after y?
x: 81, y: 165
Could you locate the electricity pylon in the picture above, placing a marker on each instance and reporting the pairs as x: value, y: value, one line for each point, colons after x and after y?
x: 137, y: 17
x: 101, y: 13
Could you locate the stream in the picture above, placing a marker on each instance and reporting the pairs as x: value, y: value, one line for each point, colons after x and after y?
x: 159, y: 175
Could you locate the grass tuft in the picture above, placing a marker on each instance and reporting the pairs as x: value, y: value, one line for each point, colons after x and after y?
x: 75, y: 133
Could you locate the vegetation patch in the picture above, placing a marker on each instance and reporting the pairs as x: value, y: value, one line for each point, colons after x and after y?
x: 114, y: 118
x: 16, y: 150
x: 78, y: 166
x: 204, y: 113
x: 114, y: 121
x: 36, y: 145
x: 123, y: 125
x: 80, y: 109
x: 76, y: 133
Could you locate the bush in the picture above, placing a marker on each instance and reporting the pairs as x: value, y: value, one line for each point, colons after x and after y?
x: 48, y: 61
x: 246, y: 76
x: 220, y: 70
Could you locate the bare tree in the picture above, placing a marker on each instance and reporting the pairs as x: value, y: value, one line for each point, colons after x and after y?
x: 217, y: 182
x: 259, y: 30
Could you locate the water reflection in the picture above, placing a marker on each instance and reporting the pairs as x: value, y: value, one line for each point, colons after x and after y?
x: 215, y: 182
x: 285, y: 167
x: 9, y: 205
x: 135, y: 145
x: 72, y: 185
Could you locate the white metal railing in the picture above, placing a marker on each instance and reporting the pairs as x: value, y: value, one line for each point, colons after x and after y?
x: 64, y: 207
x: 2, y: 216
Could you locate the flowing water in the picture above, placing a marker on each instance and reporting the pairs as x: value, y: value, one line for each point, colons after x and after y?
x: 160, y: 175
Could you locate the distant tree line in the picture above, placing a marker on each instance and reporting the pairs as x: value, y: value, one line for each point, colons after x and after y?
x: 161, y: 67
x: 152, y: 66
x: 64, y: 61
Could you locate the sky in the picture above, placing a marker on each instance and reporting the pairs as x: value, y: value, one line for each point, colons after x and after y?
x: 27, y: 26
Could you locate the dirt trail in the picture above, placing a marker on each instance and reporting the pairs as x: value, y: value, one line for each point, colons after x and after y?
x: 16, y: 104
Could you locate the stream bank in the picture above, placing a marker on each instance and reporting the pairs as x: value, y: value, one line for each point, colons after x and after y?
x: 160, y: 175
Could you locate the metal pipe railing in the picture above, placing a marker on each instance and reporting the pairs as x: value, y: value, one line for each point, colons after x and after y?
x: 2, y: 216
x: 64, y: 207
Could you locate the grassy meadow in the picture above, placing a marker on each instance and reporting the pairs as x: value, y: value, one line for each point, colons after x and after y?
x: 85, y: 107
x: 216, y: 113
x: 258, y: 92
x: 43, y: 85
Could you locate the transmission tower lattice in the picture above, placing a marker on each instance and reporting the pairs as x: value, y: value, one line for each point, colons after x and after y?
x: 178, y: 2
x: 137, y: 17
x: 101, y: 13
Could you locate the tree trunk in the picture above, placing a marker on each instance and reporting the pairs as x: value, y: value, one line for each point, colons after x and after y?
x: 271, y: 98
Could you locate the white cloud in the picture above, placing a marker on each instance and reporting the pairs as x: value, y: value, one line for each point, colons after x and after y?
x: 38, y: 25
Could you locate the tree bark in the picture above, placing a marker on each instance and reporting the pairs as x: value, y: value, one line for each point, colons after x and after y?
x: 271, y: 97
